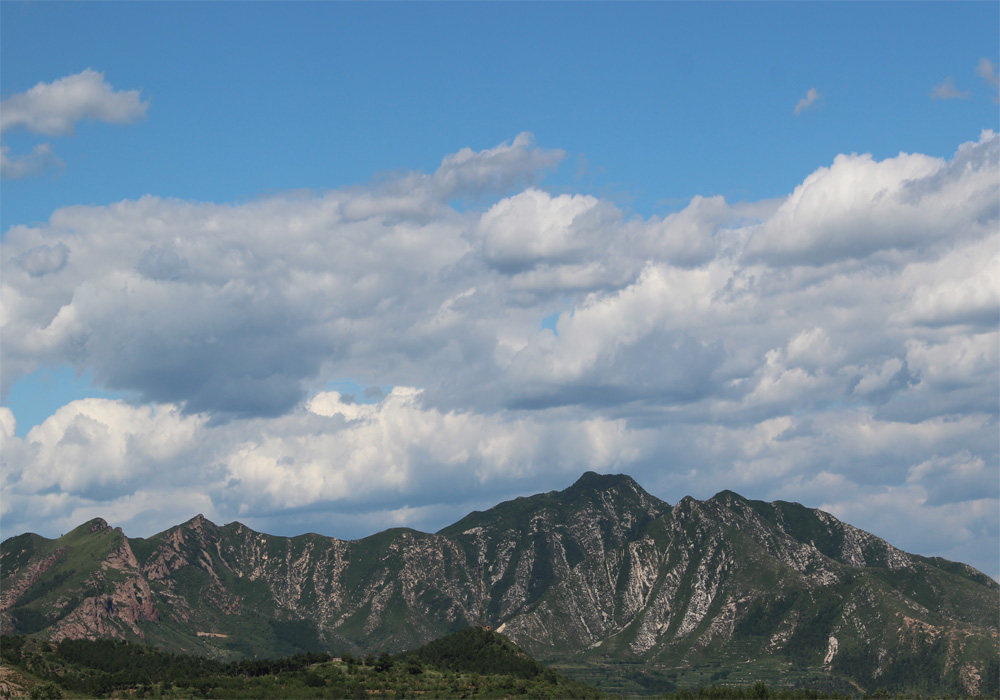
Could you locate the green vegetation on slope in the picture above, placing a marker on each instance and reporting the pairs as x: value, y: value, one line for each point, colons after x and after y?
x: 468, y: 664
x: 471, y: 663
x: 73, y: 558
x: 479, y: 651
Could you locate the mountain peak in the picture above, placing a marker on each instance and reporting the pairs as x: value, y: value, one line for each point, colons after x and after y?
x: 613, y: 494
x: 621, y: 488
x: 617, y: 495
x: 592, y: 481
x: 197, y: 522
x: 90, y: 527
x: 727, y: 497
x: 98, y: 525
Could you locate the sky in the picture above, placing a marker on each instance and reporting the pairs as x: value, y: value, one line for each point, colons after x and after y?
x: 336, y: 267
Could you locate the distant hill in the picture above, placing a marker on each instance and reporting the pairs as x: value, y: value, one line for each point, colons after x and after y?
x: 469, y: 663
x: 475, y: 650
x: 605, y: 581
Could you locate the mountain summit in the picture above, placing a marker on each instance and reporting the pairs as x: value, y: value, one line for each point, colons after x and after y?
x: 597, y: 576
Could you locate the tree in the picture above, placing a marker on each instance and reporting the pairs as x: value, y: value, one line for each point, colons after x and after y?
x: 384, y: 663
x: 45, y: 691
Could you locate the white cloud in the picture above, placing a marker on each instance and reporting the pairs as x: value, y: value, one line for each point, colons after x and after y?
x: 878, y: 378
x: 496, y: 170
x: 964, y: 360
x: 956, y: 477
x: 43, y: 260
x: 987, y: 70
x: 910, y: 521
x: 99, y: 443
x: 810, y: 101
x: 859, y: 206
x: 959, y: 288
x: 398, y: 446
x: 8, y: 424
x: 531, y: 228
x: 34, y: 164
x: 102, y: 453
x: 840, y: 341
x: 688, y: 238
x: 623, y: 347
x: 812, y: 349
x: 54, y: 108
x: 947, y: 90
x: 782, y: 385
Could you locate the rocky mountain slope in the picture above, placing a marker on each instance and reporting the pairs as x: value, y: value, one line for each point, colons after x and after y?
x: 601, y: 575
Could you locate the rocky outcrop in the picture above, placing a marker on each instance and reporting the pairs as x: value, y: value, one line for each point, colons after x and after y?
x: 111, y: 599
x: 19, y: 581
x: 113, y: 615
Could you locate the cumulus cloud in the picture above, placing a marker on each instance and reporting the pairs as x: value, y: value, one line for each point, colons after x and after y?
x: 98, y: 443
x: 620, y: 348
x: 860, y: 207
x: 835, y: 346
x: 464, y: 175
x: 531, y: 228
x: 497, y: 169
x: 810, y: 101
x: 8, y: 424
x: 947, y: 90
x: 55, y: 108
x: 98, y: 452
x: 691, y: 237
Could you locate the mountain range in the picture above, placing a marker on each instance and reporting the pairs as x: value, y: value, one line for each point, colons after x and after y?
x: 608, y: 583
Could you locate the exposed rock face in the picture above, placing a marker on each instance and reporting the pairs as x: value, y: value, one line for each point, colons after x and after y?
x: 108, y: 598
x: 599, y: 570
x: 128, y: 604
x: 12, y: 683
x: 19, y: 581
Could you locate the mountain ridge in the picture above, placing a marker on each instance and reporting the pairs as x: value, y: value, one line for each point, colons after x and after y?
x: 600, y: 571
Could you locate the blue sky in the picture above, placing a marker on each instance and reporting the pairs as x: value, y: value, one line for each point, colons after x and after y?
x: 700, y: 243
x: 664, y: 101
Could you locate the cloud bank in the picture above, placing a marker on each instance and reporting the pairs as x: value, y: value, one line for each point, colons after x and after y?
x: 838, y: 347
